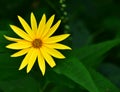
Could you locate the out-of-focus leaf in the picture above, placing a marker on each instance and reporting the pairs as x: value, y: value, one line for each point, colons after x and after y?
x: 112, y: 72
x: 112, y: 23
x: 103, y: 84
x: 9, y: 67
x: 59, y: 79
x: 76, y: 71
x: 62, y: 89
x: 92, y: 55
x: 13, y: 80
x: 80, y: 35
x: 23, y: 84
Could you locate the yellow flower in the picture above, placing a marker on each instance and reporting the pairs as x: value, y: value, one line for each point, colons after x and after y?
x: 36, y: 42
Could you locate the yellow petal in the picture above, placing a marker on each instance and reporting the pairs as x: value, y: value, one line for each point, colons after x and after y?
x: 12, y: 39
x: 19, y: 45
x: 41, y: 63
x: 54, y: 53
x: 26, y: 59
x: 41, y: 26
x: 47, y: 57
x: 20, y: 33
x: 55, y: 39
x: 48, y: 25
x: 57, y: 46
x: 26, y: 26
x: 33, y: 22
x: 32, y: 59
x: 20, y: 53
x: 53, y: 29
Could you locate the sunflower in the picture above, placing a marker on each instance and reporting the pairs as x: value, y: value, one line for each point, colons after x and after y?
x: 37, y: 43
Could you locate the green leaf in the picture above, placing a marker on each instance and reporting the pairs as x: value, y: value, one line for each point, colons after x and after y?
x: 103, y: 84
x: 59, y: 79
x: 76, y: 71
x: 23, y: 84
x: 92, y: 55
x: 13, y: 80
x: 60, y: 88
x: 112, y: 23
x: 111, y: 71
x: 9, y: 67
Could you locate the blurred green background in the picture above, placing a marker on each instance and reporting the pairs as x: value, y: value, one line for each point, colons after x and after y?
x: 94, y: 63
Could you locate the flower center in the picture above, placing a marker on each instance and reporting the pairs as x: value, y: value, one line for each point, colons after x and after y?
x: 37, y: 43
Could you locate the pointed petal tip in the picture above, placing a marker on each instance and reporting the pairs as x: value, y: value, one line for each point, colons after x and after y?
x: 18, y: 16
x: 59, y: 21
x: 20, y: 68
x: 43, y: 73
x: 32, y: 14
x: 63, y: 57
x: 28, y: 71
x: 53, y: 16
x: 11, y: 55
x: 68, y: 34
x: 5, y: 36
x: 69, y: 48
x: 7, y: 46
x: 44, y: 15
x: 53, y: 66
x: 11, y: 25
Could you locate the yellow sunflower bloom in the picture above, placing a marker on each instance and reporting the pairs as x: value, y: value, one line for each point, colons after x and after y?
x: 36, y: 42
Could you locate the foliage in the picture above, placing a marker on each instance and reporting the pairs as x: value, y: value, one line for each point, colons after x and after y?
x: 92, y: 65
